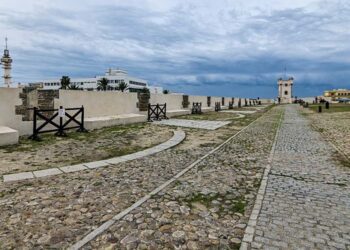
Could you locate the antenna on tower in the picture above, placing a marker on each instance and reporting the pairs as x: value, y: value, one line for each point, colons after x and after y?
x: 285, y: 72
x: 5, y: 42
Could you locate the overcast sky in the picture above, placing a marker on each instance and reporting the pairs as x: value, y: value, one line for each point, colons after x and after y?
x: 207, y: 47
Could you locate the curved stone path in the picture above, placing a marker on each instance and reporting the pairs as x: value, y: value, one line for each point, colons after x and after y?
x: 178, y: 137
x: 306, y: 204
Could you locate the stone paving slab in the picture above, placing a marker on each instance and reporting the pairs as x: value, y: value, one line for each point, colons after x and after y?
x: 74, y: 168
x: 178, y: 137
x: 18, y: 177
x: 230, y: 111
x: 47, y: 172
x: 240, y: 111
x: 209, y: 125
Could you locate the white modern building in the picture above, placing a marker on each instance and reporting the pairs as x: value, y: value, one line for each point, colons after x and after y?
x: 114, y: 77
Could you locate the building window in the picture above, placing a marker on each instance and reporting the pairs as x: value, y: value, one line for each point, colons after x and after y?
x: 286, y: 85
x: 285, y: 92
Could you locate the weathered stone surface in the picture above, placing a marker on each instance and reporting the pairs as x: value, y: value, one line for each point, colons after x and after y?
x: 307, y: 202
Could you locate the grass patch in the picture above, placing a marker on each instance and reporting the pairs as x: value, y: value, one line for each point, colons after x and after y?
x: 333, y: 107
x: 239, y: 206
x: 203, y: 199
x: 28, y: 145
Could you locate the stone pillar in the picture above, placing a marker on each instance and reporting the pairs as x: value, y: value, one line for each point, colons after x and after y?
x: 185, y: 101
x: 143, y: 101
x: 208, y: 101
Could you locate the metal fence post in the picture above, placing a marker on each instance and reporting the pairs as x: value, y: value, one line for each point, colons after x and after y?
x: 60, y: 129
x: 82, y: 127
x: 35, y: 136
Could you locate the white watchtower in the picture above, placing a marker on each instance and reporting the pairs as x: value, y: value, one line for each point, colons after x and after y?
x: 6, y: 61
x: 285, y: 88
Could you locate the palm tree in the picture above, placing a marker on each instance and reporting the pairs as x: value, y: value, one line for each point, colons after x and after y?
x: 65, y: 82
x: 102, y: 84
x: 123, y: 86
x: 74, y: 86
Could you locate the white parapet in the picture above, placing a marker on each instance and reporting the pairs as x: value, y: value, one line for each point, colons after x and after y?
x: 108, y: 121
x: 8, y: 136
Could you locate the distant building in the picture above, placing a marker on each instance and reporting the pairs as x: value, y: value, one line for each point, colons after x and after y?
x: 6, y: 61
x: 336, y: 94
x: 285, y: 88
x: 114, y: 77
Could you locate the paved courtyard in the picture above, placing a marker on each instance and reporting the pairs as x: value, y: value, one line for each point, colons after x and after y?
x: 307, y: 201
x: 201, y: 193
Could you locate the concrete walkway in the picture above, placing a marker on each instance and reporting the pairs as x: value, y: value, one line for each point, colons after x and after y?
x: 200, y: 124
x: 306, y: 204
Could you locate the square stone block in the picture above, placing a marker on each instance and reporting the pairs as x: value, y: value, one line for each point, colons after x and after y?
x: 96, y: 164
x: 74, y: 168
x: 8, y: 136
x: 18, y: 177
x: 47, y: 172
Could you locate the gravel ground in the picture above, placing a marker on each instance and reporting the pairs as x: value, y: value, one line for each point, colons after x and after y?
x: 56, y: 212
x: 335, y: 126
x: 77, y: 148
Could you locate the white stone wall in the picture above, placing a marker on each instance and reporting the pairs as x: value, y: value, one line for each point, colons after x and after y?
x: 215, y: 99
x: 9, y: 99
x: 173, y: 101
x: 99, y: 103
x: 198, y: 98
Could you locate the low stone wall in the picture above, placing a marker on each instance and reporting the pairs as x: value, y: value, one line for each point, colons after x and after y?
x: 99, y: 103
x: 197, y: 98
x: 9, y: 100
x: 173, y: 101
x: 14, y: 104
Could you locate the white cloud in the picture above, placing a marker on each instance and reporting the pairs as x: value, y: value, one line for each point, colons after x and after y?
x: 187, y: 39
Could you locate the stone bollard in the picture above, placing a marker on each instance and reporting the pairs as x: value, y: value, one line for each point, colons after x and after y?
x: 320, y: 109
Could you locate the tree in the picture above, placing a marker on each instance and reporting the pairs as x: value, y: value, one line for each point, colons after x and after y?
x: 65, y: 82
x: 123, y: 86
x: 102, y: 84
x: 74, y: 86
x: 165, y: 91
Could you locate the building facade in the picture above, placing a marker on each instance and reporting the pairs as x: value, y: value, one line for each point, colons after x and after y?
x: 337, y: 94
x: 6, y: 62
x: 114, y: 77
x: 285, y: 90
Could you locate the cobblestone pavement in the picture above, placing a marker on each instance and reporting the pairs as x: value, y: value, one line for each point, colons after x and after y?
x: 55, y: 212
x: 208, y: 207
x: 307, y: 201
